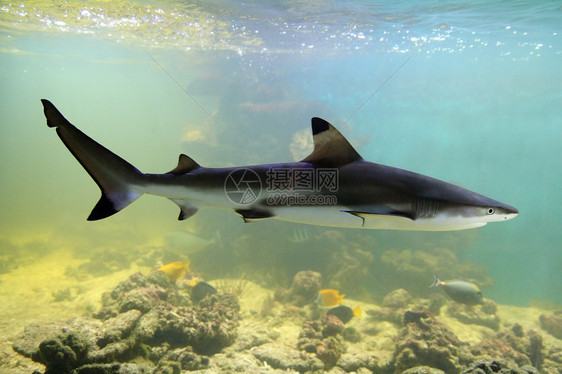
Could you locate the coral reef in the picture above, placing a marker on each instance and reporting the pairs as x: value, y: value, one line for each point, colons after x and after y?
x: 425, y: 341
x: 484, y: 314
x: 324, y: 338
x: 413, y: 270
x: 399, y: 298
x: 148, y: 324
x: 517, y: 347
x: 552, y: 323
x: 496, y: 366
x: 143, y: 316
x: 303, y: 291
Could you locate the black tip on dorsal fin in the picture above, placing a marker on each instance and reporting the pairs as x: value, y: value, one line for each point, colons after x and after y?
x: 319, y: 125
x: 331, y: 148
x: 185, y: 165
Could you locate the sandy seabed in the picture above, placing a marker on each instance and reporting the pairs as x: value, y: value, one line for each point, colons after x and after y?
x: 27, y: 295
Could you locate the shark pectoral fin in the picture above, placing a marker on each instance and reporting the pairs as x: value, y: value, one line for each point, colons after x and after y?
x: 251, y: 215
x: 185, y: 165
x: 398, y: 216
x: 186, y: 210
x: 331, y: 148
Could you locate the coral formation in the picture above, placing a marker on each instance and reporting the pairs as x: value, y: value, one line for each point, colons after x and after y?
x: 148, y: 324
x: 324, y: 338
x: 484, y: 314
x: 143, y: 316
x: 552, y: 323
x: 413, y: 270
x: 304, y: 289
x: 496, y: 366
x: 425, y: 341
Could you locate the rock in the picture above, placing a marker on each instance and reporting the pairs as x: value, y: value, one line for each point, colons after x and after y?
x: 207, y: 329
x: 329, y: 351
x: 355, y: 362
x: 500, y: 348
x: 483, y: 315
x: 185, y: 359
x: 393, y: 315
x: 399, y: 298
x: 332, y: 326
x: 113, y: 368
x: 286, y: 359
x: 425, y: 341
x: 350, y: 334
x: 517, y: 330
x: 63, y: 353
x: 497, y: 366
x: 140, y: 320
x: 305, y: 287
x: 119, y: 327
x: 552, y: 323
x: 423, y: 370
x: 323, y: 338
x: 142, y: 299
x: 27, y: 344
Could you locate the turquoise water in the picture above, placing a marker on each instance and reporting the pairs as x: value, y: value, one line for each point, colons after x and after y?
x: 464, y: 92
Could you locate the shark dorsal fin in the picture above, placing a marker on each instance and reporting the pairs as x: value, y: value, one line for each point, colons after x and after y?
x: 185, y: 165
x: 331, y: 148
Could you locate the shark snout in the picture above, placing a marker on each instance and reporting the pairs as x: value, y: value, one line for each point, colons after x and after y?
x: 509, y: 212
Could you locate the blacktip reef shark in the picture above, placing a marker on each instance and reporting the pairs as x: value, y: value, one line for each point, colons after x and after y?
x: 365, y: 195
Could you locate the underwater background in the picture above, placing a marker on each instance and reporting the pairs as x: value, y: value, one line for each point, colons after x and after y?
x: 466, y: 92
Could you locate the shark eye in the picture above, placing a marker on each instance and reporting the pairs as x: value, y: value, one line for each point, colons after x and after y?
x: 491, y: 211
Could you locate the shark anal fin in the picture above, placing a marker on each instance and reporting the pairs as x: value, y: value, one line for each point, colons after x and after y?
x: 331, y: 148
x: 186, y: 210
x: 185, y: 165
x: 250, y: 215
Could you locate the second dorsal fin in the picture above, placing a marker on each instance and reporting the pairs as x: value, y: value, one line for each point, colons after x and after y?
x: 185, y: 165
x: 331, y: 148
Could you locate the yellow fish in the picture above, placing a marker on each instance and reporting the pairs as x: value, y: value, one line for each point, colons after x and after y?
x: 175, y: 270
x: 329, y: 297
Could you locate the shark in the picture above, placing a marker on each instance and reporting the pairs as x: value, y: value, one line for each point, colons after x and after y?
x: 333, y: 187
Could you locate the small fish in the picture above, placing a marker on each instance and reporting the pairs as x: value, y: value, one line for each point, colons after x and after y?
x: 202, y: 290
x: 460, y: 291
x: 329, y: 297
x: 175, y: 270
x: 345, y: 313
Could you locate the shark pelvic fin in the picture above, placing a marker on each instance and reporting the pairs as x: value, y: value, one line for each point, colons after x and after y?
x: 331, y: 148
x: 251, y: 215
x: 373, y: 215
x: 185, y: 165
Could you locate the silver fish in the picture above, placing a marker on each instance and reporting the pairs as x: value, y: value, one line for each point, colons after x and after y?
x: 460, y: 291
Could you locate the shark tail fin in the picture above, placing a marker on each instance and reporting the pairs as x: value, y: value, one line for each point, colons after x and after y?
x: 119, y: 181
x: 436, y: 281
